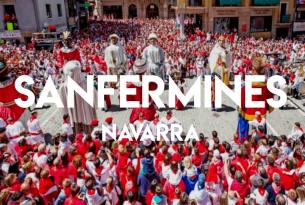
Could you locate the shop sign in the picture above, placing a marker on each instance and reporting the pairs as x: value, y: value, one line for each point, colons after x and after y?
x: 226, y: 12
x: 261, y: 12
x: 10, y: 34
x: 298, y: 26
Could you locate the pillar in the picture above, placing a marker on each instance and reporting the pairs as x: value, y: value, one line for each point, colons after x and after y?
x: 125, y: 9
x: 275, y: 17
x: 165, y: 9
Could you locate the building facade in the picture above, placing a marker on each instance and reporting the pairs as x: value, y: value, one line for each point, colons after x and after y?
x: 259, y: 18
x: 20, y: 18
x: 135, y: 8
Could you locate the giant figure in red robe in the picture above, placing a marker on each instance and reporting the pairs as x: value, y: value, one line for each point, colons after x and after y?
x: 139, y: 68
x: 67, y: 52
x: 8, y: 94
x: 248, y: 114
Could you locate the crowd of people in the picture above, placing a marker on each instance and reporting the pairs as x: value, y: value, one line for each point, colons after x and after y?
x: 75, y: 167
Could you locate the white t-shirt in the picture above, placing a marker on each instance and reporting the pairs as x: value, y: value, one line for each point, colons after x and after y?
x: 15, y: 129
x: 67, y: 129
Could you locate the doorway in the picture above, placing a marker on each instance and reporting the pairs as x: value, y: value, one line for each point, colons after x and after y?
x: 152, y: 11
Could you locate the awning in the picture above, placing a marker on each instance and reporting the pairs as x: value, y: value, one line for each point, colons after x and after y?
x: 230, y: 3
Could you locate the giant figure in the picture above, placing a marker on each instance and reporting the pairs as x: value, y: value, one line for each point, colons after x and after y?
x: 154, y: 55
x: 248, y: 114
x: 82, y: 113
x: 68, y: 52
x: 8, y: 94
x: 220, y: 60
x: 139, y: 68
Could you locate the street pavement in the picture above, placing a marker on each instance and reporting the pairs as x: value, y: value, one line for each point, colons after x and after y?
x: 204, y: 120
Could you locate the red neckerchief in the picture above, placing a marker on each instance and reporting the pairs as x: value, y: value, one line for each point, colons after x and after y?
x: 33, y: 117
x: 41, y: 153
x: 236, y: 141
x: 91, y: 192
x: 109, y: 188
x: 259, y: 119
x: 261, y: 191
x: 66, y: 122
x: 99, y: 169
x: 11, y: 122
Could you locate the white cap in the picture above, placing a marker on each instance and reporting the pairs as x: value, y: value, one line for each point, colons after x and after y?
x: 152, y: 36
x: 114, y: 36
x: 257, y: 113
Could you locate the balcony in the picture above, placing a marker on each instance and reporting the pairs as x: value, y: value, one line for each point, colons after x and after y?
x: 265, y: 2
x: 228, y: 2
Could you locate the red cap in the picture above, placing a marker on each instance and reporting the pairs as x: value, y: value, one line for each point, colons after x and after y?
x: 94, y: 122
x: 79, y: 136
x: 108, y: 120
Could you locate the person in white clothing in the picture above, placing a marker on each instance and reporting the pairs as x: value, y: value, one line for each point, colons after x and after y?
x: 140, y: 124
x: 109, y: 124
x: 154, y: 124
x: 297, y: 131
x: 258, y: 121
x: 94, y: 195
x: 35, y: 131
x: 155, y: 57
x: 112, y: 191
x: 131, y: 199
x: 260, y: 194
x: 115, y: 56
x: 169, y: 120
x: 40, y: 158
x: 14, y: 130
x: 67, y: 127
x: 199, y: 194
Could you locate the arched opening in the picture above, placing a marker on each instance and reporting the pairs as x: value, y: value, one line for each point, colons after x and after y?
x: 132, y: 11
x: 152, y: 11
x: 171, y: 12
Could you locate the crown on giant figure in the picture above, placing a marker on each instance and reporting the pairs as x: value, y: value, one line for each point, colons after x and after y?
x: 66, y: 35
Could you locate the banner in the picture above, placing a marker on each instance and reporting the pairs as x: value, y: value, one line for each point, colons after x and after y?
x: 10, y: 34
x: 298, y: 26
x: 300, y: 2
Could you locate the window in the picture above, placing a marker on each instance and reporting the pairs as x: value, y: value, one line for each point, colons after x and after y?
x: 300, y: 16
x: 9, y: 18
x: 48, y: 11
x: 59, y: 11
x: 71, y: 8
x: 260, y: 23
x: 195, y: 3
